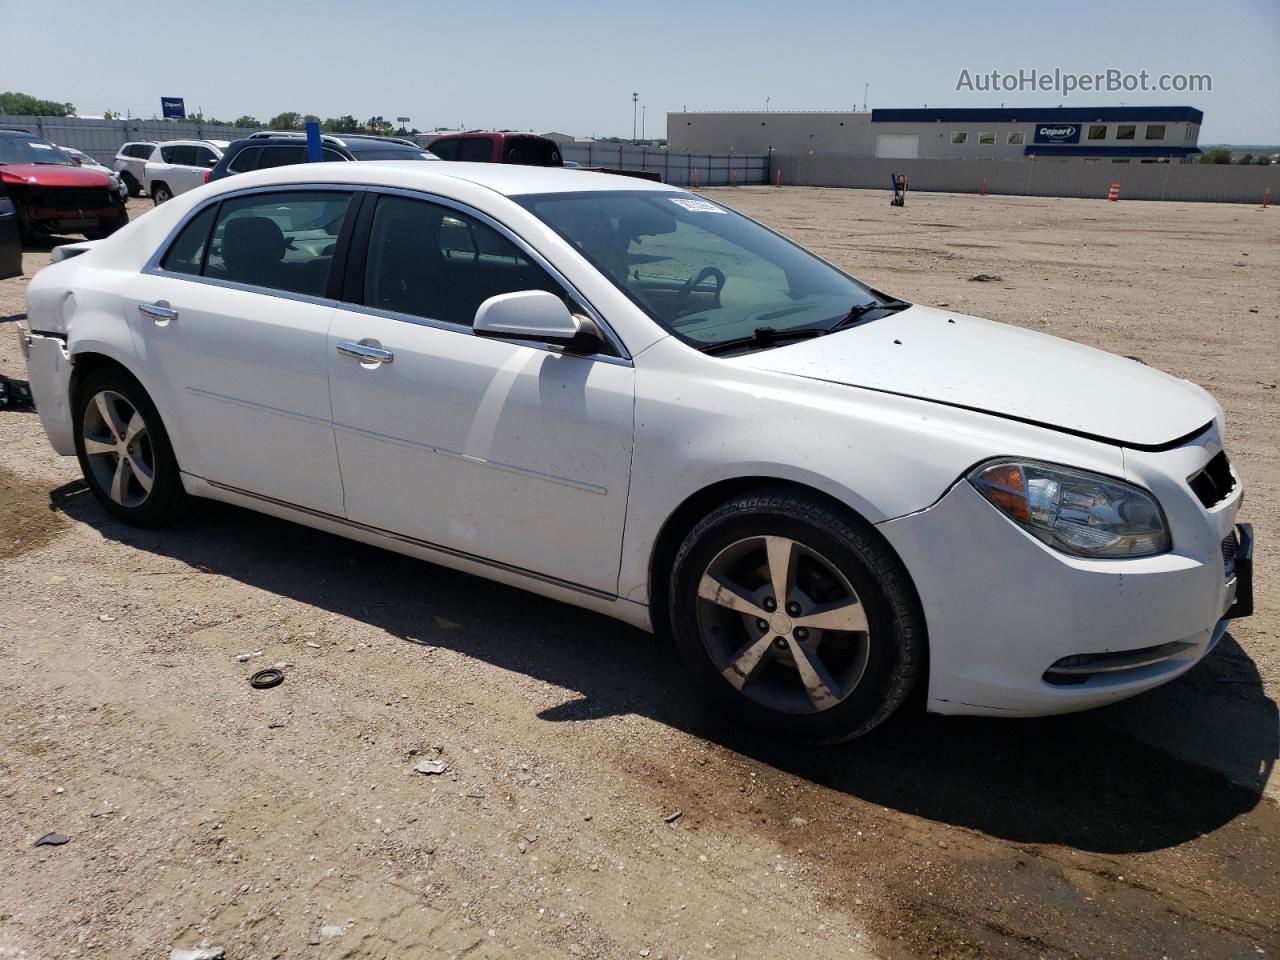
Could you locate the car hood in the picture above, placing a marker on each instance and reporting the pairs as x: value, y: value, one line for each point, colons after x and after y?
x: 48, y: 175
x: 1006, y: 371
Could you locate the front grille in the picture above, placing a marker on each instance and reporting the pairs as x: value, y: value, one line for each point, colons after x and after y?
x: 1214, y: 483
x: 63, y: 199
x: 1230, y: 544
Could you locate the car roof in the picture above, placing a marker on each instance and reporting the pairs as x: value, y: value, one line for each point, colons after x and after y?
x: 508, y: 179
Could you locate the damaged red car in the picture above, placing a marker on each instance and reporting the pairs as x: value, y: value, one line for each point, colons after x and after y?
x: 52, y: 194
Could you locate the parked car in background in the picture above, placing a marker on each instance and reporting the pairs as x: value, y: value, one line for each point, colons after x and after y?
x: 523, y: 149
x: 634, y: 399
x: 86, y: 162
x: 52, y: 195
x: 177, y: 166
x: 260, y: 151
x: 130, y: 163
x: 478, y: 146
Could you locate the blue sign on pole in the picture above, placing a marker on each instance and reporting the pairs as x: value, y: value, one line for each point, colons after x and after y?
x: 1057, y: 133
x: 173, y: 108
x: 315, y: 152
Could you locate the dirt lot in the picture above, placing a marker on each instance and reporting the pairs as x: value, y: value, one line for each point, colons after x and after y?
x: 290, y: 823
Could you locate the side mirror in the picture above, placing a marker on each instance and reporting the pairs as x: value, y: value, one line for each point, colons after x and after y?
x: 536, y: 316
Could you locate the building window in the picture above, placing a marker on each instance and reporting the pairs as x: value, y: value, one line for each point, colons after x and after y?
x: 1097, y: 131
x: 986, y: 138
x: 1015, y: 136
x: 1155, y: 131
x: 1126, y: 131
x: 959, y: 136
x: 1117, y: 160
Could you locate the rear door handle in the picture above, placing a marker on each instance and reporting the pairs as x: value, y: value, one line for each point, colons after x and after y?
x: 368, y: 352
x: 160, y: 311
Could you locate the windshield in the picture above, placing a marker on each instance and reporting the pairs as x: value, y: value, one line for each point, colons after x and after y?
x: 706, y: 273
x: 31, y: 150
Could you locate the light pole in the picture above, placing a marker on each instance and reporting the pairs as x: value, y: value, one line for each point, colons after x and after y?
x: 635, y: 99
x: 642, y: 113
x: 766, y: 104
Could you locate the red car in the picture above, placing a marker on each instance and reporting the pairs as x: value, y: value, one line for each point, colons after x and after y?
x: 527, y: 149
x: 52, y: 194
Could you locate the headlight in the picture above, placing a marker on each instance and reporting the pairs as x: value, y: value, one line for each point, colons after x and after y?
x: 1083, y: 514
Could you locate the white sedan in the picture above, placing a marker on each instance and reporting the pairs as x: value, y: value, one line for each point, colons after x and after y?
x: 635, y: 400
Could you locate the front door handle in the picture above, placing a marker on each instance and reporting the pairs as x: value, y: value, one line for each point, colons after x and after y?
x: 160, y: 311
x: 368, y: 352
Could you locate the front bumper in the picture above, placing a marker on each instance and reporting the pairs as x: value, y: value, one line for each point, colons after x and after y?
x: 1003, y: 610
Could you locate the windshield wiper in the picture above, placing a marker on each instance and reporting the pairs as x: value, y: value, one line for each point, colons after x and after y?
x: 763, y: 337
x: 860, y: 310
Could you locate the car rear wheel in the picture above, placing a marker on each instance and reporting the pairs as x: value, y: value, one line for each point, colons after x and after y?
x: 124, y: 451
x: 160, y: 193
x: 131, y: 183
x: 795, y: 615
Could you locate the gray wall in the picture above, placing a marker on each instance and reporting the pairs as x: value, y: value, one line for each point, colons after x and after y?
x: 101, y: 139
x: 679, y: 168
x: 1037, y: 178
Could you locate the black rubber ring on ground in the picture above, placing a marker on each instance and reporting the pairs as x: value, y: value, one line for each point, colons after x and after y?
x: 265, y: 679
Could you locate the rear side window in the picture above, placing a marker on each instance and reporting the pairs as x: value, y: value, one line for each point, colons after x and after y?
x: 140, y: 150
x: 446, y: 149
x: 246, y: 159
x: 186, y: 255
x: 427, y: 260
x: 281, y: 241
x: 476, y: 150
x: 281, y: 156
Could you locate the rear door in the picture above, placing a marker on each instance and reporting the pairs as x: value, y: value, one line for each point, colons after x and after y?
x: 10, y: 240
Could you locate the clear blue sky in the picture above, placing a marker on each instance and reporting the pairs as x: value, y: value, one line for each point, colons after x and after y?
x: 569, y: 66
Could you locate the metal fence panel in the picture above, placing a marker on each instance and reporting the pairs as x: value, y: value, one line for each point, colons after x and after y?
x: 681, y: 169
x: 102, y: 139
x: 1138, y: 181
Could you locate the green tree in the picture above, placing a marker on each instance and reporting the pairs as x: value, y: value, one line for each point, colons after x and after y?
x: 1263, y: 161
x: 1247, y: 158
x: 27, y: 105
x: 247, y: 121
x: 289, y: 120
x: 110, y: 115
x: 343, y: 124
x: 1220, y: 155
x: 378, y: 125
x: 310, y: 118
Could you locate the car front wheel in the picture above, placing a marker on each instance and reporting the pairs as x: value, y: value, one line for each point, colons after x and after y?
x: 124, y: 451
x: 796, y: 615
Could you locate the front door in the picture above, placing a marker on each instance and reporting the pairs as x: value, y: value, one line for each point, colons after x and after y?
x: 510, y: 453
x: 237, y: 337
x: 10, y: 238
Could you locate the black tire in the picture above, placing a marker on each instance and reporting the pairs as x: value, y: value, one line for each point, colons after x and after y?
x: 160, y: 193
x: 131, y: 183
x: 892, y: 652
x: 166, y: 500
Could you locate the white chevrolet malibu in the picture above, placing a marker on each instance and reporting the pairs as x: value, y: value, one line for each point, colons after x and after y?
x: 638, y: 401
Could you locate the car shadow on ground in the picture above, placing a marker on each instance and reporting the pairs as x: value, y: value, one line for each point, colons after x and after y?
x: 1109, y: 781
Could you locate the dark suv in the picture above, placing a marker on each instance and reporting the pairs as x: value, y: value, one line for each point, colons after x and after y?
x: 267, y: 149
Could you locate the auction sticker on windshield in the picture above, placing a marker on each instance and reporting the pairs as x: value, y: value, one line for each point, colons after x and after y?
x: 696, y: 206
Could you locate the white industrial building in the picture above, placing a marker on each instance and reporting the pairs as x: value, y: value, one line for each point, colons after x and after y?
x: 1101, y: 134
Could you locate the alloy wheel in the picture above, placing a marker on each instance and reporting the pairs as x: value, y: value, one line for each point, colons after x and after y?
x: 783, y: 624
x: 118, y: 448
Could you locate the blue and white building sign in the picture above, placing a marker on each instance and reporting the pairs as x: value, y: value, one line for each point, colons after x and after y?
x: 173, y: 108
x: 1057, y: 133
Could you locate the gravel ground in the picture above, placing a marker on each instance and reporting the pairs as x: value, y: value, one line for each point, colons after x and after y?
x: 588, y: 806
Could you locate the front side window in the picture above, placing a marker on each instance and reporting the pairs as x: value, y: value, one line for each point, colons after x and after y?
x: 700, y: 270
x: 284, y: 241
x: 204, y: 157
x: 1097, y: 131
x: 1126, y: 131
x: 446, y: 149
x: 431, y: 261
x: 1155, y: 131
x: 246, y: 159
x: 281, y: 156
x: 959, y: 136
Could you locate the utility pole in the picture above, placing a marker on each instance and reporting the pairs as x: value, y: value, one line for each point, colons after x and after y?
x: 766, y: 104
x: 635, y: 99
x: 865, y: 87
x: 643, y: 109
